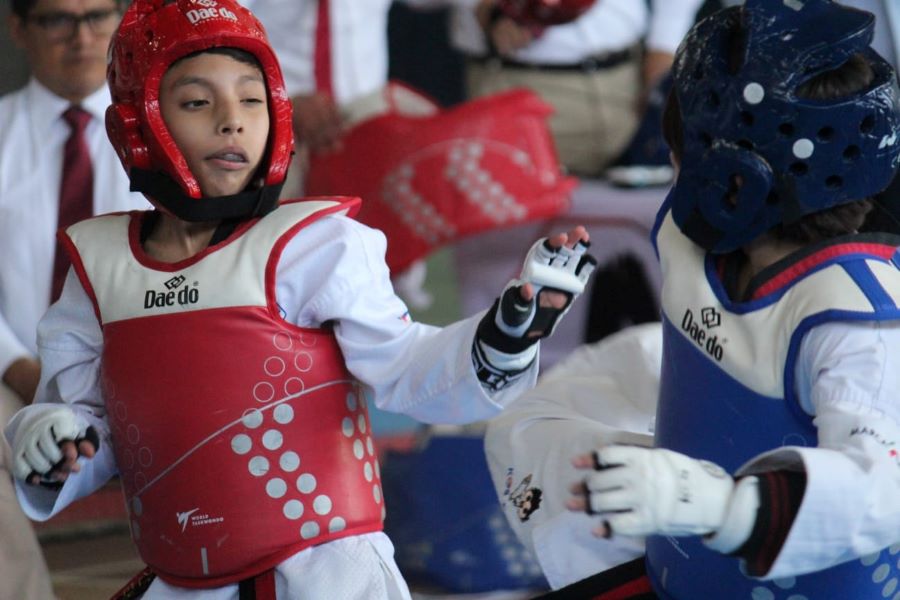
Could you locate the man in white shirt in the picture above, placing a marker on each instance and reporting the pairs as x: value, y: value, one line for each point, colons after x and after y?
x: 591, y: 70
x: 65, y: 45
x: 332, y: 52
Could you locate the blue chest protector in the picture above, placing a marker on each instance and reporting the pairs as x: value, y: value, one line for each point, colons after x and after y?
x: 727, y: 393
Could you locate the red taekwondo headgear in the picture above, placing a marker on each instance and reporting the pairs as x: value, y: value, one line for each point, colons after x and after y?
x: 543, y: 13
x: 152, y: 36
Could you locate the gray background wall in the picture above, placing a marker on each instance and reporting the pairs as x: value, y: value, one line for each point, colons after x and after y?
x: 13, y: 72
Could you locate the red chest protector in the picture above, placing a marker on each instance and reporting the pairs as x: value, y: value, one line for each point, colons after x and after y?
x: 431, y: 179
x: 240, y: 438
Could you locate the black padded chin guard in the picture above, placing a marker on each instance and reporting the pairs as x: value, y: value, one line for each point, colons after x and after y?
x: 168, y: 194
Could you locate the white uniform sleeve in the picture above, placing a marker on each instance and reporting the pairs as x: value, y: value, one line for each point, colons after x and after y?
x: 847, y: 375
x: 670, y: 20
x: 603, y: 393
x: 334, y: 271
x: 69, y: 342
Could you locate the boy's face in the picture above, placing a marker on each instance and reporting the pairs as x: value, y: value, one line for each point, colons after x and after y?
x: 216, y: 111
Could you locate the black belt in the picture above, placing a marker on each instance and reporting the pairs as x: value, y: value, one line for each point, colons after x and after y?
x: 593, y: 63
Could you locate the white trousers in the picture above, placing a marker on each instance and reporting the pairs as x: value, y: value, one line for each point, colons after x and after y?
x: 359, y: 567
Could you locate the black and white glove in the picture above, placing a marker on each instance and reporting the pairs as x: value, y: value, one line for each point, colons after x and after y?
x: 36, y: 447
x: 653, y: 491
x: 506, y: 337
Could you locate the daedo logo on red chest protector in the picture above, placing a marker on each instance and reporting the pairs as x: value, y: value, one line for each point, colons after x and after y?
x: 710, y: 318
x: 188, y: 294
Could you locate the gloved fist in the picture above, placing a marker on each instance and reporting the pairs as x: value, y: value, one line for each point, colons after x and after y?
x: 555, y: 272
x: 45, y: 450
x: 652, y: 491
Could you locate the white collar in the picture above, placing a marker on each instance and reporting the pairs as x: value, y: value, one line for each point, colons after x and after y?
x: 46, y: 108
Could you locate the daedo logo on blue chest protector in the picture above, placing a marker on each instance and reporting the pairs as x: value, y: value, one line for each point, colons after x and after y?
x: 698, y: 331
x: 173, y: 295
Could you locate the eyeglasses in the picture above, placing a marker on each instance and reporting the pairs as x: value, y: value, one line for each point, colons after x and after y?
x: 61, y: 26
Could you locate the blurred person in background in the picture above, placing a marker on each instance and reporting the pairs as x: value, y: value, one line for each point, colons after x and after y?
x: 594, y: 70
x: 54, y: 154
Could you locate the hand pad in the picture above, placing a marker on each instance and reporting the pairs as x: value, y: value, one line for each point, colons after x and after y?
x: 36, y: 447
x: 515, y: 323
x: 644, y: 491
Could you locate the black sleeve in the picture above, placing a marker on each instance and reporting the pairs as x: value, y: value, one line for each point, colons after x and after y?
x: 780, y: 495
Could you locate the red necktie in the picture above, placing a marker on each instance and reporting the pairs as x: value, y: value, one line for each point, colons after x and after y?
x: 322, y: 60
x: 76, y: 189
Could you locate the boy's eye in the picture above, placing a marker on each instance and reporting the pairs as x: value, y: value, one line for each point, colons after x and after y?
x: 197, y: 103
x: 253, y: 100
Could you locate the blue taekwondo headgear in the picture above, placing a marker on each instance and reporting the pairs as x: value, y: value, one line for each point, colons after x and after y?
x: 747, y: 136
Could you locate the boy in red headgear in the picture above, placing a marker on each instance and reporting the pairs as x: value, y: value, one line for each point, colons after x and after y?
x: 220, y: 352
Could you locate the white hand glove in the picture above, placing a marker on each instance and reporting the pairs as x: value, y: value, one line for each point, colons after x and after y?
x: 559, y: 268
x: 648, y: 491
x: 507, y: 336
x: 514, y: 324
x: 562, y: 269
x: 36, y: 444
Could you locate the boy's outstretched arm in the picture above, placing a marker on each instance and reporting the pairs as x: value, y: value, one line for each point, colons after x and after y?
x: 52, y: 439
x: 555, y: 272
x: 653, y: 491
x: 851, y: 477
